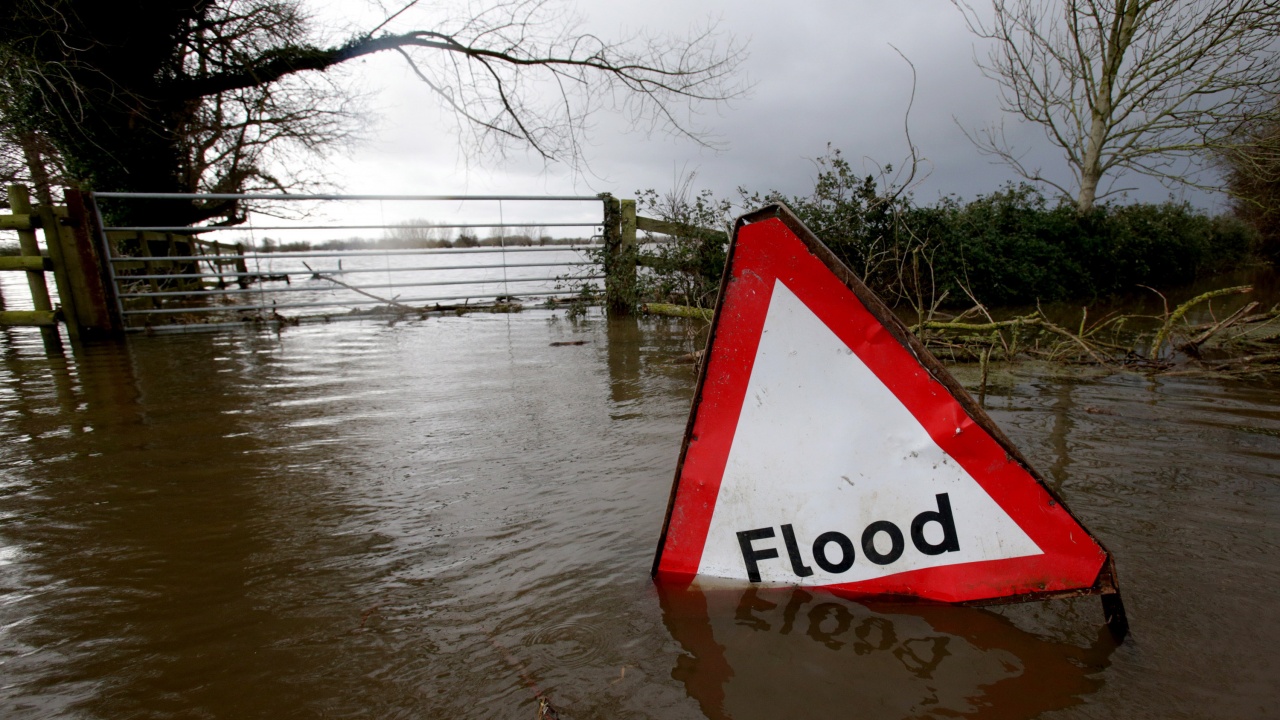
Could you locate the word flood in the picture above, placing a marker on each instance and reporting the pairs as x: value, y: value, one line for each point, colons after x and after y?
x: 834, y: 552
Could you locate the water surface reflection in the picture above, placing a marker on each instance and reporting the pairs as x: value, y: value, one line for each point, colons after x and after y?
x: 770, y: 652
x: 444, y: 518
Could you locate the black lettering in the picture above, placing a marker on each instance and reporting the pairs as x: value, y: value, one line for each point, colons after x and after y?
x: 750, y: 556
x: 793, y: 553
x: 950, y: 542
x: 869, y: 542
x: 820, y: 552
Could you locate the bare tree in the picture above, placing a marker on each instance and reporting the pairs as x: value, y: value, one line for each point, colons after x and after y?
x: 1251, y: 158
x: 164, y: 96
x: 1146, y: 86
x: 245, y: 139
x: 28, y: 157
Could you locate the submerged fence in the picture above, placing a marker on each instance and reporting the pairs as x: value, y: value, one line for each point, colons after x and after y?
x: 166, y: 276
x: 113, y: 279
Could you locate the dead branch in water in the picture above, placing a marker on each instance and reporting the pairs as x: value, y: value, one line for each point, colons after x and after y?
x: 1181, y: 311
x: 352, y: 288
x: 684, y: 311
x: 1245, y: 342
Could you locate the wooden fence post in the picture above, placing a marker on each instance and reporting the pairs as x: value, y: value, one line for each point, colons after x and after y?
x: 85, y: 272
x: 619, y: 255
x: 53, y: 244
x: 626, y: 260
x: 20, y: 204
x: 241, y: 267
x: 612, y: 249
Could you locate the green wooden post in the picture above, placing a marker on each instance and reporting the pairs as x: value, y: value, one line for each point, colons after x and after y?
x: 61, y: 277
x: 626, y: 259
x: 612, y: 248
x: 20, y: 204
x: 34, y: 318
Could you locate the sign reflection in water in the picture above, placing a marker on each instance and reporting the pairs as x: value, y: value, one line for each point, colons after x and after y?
x: 766, y: 652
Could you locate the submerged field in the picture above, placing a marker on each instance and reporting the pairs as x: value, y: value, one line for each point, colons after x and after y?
x: 444, y: 518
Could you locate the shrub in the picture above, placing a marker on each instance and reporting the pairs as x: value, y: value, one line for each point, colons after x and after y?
x: 1009, y: 247
x: 684, y: 268
x: 1013, y: 247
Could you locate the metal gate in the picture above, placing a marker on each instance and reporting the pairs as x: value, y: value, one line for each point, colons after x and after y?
x: 542, y: 249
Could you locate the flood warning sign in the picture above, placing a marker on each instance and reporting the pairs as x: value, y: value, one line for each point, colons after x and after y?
x: 827, y: 448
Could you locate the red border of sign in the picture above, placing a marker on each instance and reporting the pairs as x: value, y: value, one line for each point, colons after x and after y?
x: 772, y: 245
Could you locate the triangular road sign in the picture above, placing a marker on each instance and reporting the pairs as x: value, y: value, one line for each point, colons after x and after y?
x: 828, y: 448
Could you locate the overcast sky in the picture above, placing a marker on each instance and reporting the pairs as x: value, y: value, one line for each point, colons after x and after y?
x: 823, y: 71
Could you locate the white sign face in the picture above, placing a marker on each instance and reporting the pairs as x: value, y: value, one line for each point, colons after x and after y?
x: 831, y: 480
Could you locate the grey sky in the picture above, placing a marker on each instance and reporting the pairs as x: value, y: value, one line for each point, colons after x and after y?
x: 823, y: 71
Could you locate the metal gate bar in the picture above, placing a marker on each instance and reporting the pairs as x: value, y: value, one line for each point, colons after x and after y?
x: 188, y: 230
x: 368, y: 253
x: 388, y: 286
x: 336, y: 271
x: 340, y: 303
x: 354, y: 198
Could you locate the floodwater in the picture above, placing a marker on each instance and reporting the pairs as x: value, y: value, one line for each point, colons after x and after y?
x: 445, y: 518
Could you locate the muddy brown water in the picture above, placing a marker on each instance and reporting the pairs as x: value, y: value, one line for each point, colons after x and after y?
x: 442, y: 519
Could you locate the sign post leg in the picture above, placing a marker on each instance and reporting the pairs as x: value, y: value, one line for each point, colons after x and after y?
x: 1113, y: 613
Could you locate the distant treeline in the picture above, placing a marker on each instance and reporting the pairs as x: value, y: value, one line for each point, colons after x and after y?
x: 1010, y: 247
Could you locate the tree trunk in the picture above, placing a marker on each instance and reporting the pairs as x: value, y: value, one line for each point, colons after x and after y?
x: 35, y: 165
x: 1091, y: 168
x: 1123, y: 25
x: 1088, y: 194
